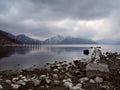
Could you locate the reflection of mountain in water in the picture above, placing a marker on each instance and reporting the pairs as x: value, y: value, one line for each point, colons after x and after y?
x: 8, y: 51
x: 65, y: 49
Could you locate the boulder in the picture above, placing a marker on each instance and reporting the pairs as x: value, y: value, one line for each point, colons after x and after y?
x: 100, y: 69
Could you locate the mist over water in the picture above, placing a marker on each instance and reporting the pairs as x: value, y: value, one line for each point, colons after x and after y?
x: 37, y: 56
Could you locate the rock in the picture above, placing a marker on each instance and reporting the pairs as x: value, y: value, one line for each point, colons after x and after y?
x: 15, y: 86
x: 76, y: 88
x: 84, y: 79
x: 1, y: 87
x: 99, y: 80
x: 100, y: 67
x: 86, y: 52
x: 36, y: 82
x: 55, y: 76
x: 68, y: 85
x: 15, y: 79
x: 56, y: 82
x: 91, y: 81
x: 79, y: 85
x: 21, y: 82
x: 56, y: 70
x: 43, y: 77
x: 8, y: 81
x: 94, y: 69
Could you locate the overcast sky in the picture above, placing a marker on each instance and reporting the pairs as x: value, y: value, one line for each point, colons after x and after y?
x: 93, y: 19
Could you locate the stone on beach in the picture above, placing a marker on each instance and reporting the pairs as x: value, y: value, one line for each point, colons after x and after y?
x: 99, y: 80
x: 100, y: 69
x: 84, y: 79
x: 8, y: 81
x: 15, y: 86
x: 1, y: 87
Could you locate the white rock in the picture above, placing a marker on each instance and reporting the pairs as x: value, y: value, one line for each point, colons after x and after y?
x: 76, y: 88
x: 98, y: 79
x: 30, y: 89
x: 84, y: 79
x: 55, y: 76
x: 69, y: 80
x: 20, y: 76
x: 56, y: 82
x: 55, y: 70
x: 79, y: 85
x: 24, y: 77
x: 60, y: 68
x: 68, y: 85
x: 21, y: 82
x: 64, y: 80
x: 48, y: 81
x: 1, y: 87
x: 36, y: 82
x: 15, y: 86
x: 8, y: 81
x: 15, y: 79
x: 91, y: 81
x: 43, y: 77
x: 26, y: 80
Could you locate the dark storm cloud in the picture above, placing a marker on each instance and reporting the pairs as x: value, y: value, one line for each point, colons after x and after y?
x: 35, y: 16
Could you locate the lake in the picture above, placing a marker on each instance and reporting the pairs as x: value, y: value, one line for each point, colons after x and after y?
x: 37, y: 56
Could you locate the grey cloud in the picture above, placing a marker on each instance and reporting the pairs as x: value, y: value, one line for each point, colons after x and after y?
x: 15, y: 12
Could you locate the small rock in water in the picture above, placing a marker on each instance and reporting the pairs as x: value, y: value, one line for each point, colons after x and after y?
x: 1, y: 87
x: 98, y: 79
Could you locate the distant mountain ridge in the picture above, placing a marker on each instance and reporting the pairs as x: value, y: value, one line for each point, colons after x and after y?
x: 8, y: 38
x: 27, y: 40
x: 68, y: 40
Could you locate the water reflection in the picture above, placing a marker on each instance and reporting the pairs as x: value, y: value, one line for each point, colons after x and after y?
x: 29, y: 56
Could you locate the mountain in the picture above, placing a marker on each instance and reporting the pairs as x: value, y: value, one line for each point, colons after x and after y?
x: 54, y: 40
x: 68, y: 40
x: 108, y: 41
x: 7, y: 38
x: 27, y: 40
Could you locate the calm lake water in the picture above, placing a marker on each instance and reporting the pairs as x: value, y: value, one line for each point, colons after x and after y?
x: 36, y: 56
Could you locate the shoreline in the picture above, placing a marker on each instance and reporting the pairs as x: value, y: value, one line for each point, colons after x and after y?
x: 61, y: 75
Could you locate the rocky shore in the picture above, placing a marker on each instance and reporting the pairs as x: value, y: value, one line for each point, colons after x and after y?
x: 77, y: 75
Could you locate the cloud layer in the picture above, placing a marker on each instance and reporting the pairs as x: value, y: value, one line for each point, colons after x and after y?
x: 94, y: 19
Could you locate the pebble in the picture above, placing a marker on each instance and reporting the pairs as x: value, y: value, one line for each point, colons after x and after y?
x: 15, y: 86
x: 14, y: 79
x: 56, y: 82
x: 1, y: 87
x: 21, y: 82
x: 68, y: 85
x: 91, y: 81
x: 55, y: 70
x: 8, y: 81
x: 98, y: 79
x: 43, y: 77
x: 84, y: 79
x: 55, y: 76
x: 36, y: 82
